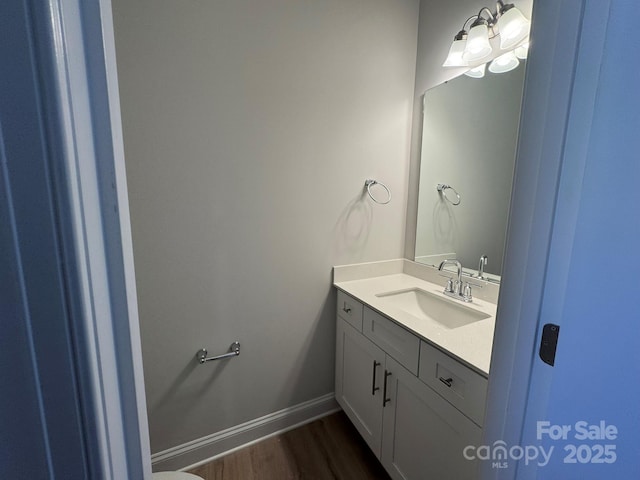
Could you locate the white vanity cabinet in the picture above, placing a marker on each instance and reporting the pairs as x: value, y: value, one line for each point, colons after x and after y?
x: 423, y: 434
x: 359, y: 377
x: 414, y: 429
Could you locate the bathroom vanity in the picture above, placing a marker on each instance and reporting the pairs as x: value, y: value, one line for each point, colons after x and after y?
x: 412, y: 366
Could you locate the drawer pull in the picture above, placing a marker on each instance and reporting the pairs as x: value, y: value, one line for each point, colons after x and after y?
x: 447, y: 381
x: 374, y: 389
x: 346, y: 309
x: 385, y: 400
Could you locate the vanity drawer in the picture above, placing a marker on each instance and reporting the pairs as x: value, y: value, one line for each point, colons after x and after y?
x: 462, y: 387
x: 350, y: 310
x: 393, y: 339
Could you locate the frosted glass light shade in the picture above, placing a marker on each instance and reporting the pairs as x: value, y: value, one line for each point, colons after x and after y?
x: 454, y: 59
x: 504, y: 63
x: 478, y: 46
x: 513, y: 28
x: 522, y: 51
x: 477, y: 72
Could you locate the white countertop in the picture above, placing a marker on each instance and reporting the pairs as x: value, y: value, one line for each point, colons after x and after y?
x: 469, y: 343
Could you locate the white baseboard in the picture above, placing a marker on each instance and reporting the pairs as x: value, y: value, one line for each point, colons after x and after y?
x: 203, y: 450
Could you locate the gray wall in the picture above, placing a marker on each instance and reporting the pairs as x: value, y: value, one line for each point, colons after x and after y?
x: 249, y: 128
x: 439, y: 22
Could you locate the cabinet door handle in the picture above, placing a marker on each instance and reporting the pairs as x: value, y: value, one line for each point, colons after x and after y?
x: 373, y: 381
x: 346, y: 309
x: 385, y: 400
x: 446, y: 381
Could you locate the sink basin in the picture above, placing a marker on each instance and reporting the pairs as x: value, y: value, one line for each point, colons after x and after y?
x: 430, y: 306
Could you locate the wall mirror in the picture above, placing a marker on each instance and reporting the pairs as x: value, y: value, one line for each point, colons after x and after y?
x: 469, y: 136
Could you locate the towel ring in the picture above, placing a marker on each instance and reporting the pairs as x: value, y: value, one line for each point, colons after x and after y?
x: 371, y: 183
x: 442, y: 189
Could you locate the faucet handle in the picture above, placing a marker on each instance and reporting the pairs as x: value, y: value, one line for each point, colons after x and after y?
x: 466, y: 292
x: 449, y: 288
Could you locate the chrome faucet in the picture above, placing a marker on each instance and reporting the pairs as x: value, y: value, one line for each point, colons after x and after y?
x: 483, y: 262
x: 458, y: 265
x: 457, y: 288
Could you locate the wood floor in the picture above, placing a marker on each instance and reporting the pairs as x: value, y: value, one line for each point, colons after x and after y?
x: 329, y: 448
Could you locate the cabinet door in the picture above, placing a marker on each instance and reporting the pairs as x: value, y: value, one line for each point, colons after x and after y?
x: 359, y: 374
x: 424, y: 435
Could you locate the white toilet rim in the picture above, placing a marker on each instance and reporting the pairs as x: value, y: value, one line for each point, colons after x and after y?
x: 175, y: 476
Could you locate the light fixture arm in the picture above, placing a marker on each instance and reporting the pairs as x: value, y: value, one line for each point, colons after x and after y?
x: 464, y: 25
x: 490, y: 22
x: 502, y: 7
x: 492, y: 16
x: 463, y: 32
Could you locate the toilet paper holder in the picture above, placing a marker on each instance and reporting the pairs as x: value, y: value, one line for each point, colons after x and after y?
x: 234, y: 351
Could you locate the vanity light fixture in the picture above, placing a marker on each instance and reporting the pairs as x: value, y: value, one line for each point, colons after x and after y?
x: 476, y: 72
x: 504, y: 63
x: 469, y: 47
x: 478, y: 46
x: 474, y: 46
x: 512, y: 25
x: 454, y: 59
x: 522, y: 51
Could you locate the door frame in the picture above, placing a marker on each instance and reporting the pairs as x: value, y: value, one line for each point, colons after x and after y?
x: 77, y: 63
x: 568, y: 39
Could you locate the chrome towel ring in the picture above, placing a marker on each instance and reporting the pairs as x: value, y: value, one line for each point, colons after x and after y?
x: 371, y: 183
x: 442, y: 189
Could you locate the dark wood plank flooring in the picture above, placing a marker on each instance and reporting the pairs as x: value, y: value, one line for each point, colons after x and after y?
x: 329, y: 448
